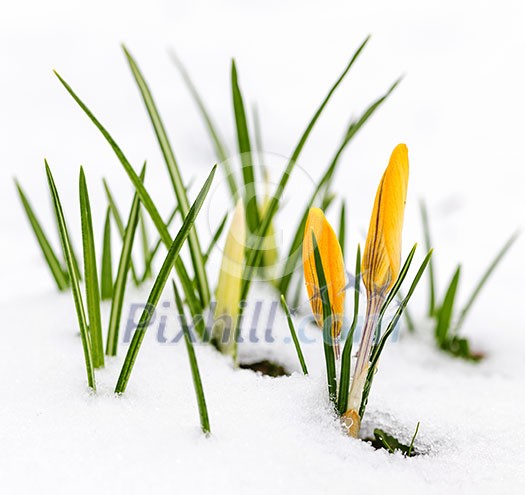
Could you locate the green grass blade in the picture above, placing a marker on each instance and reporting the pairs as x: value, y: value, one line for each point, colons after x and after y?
x: 294, y: 253
x: 342, y: 227
x: 475, y: 293
x: 195, y: 373
x: 378, y: 349
x: 397, y: 286
x: 245, y: 151
x: 114, y: 208
x: 445, y: 312
x: 55, y: 266
x: 124, y: 264
x: 220, y: 148
x: 293, y: 333
x: 325, y: 182
x: 120, y: 226
x: 215, y: 238
x: 394, y: 291
x: 75, y: 286
x: 428, y: 247
x: 145, y: 199
x: 159, y: 285
x: 154, y: 250
x: 91, y: 274
x: 355, y: 126
x: 175, y: 175
x: 411, y: 446
x: 346, y: 356
x: 254, y: 255
x: 106, y: 273
x: 144, y: 237
x: 327, y: 324
x: 259, y: 148
x: 411, y: 326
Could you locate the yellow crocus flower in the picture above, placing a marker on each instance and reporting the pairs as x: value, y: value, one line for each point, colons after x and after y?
x: 380, y: 267
x: 382, y: 255
x: 333, y: 266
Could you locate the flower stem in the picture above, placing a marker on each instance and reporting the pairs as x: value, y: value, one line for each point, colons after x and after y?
x: 373, y: 308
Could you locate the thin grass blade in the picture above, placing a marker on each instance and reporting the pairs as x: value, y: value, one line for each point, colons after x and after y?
x: 124, y: 264
x: 144, y: 237
x: 159, y: 285
x: 342, y: 227
x: 120, y: 226
x: 254, y: 255
x: 75, y: 286
x: 175, y: 175
x: 411, y: 446
x: 327, y: 325
x: 220, y: 148
x: 259, y: 148
x: 378, y: 349
x: 490, y: 270
x: 154, y: 250
x: 428, y: 247
x: 195, y: 373
x: 91, y: 275
x: 324, y: 183
x: 445, y: 312
x: 215, y: 238
x: 346, y: 356
x: 245, y: 151
x: 55, y: 266
x: 106, y: 273
x: 399, y: 282
x: 293, y: 333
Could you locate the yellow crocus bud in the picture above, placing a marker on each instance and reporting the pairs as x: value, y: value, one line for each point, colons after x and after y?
x: 380, y: 267
x: 228, y: 292
x: 382, y: 255
x: 333, y: 267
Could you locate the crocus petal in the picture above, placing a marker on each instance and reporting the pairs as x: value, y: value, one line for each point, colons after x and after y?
x: 382, y: 255
x: 333, y: 266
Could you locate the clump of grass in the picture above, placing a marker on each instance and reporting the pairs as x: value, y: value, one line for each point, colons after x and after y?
x: 446, y: 319
x: 259, y: 212
x: 75, y: 284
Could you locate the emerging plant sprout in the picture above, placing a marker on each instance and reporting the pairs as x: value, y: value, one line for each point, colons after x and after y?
x: 382, y: 276
x: 446, y: 324
x: 228, y: 293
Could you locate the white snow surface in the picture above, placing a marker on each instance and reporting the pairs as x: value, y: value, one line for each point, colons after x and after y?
x: 459, y: 109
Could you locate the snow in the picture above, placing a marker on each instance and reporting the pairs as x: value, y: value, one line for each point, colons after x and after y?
x: 459, y: 110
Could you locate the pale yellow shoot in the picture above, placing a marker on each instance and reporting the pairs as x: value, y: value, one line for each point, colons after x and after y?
x: 228, y: 293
